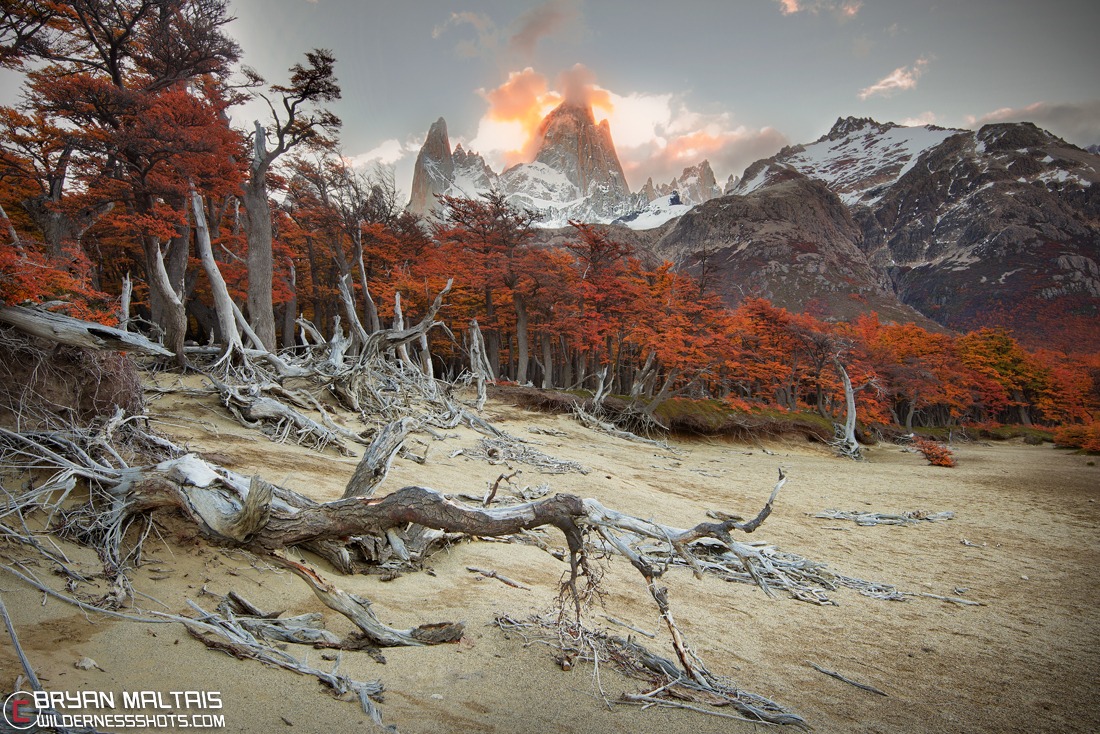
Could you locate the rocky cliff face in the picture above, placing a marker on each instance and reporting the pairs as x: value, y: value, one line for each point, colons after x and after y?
x: 1000, y: 226
x: 434, y: 170
x: 574, y: 144
x: 793, y: 242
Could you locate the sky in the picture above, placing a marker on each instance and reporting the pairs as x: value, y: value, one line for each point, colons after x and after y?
x: 730, y: 81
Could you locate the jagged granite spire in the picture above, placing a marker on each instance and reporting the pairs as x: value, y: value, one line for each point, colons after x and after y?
x: 574, y: 144
x: 434, y: 170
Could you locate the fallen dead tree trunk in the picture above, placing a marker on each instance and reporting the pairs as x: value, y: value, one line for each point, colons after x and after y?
x: 74, y: 332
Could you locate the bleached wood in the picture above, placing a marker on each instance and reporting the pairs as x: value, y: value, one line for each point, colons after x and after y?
x: 77, y: 333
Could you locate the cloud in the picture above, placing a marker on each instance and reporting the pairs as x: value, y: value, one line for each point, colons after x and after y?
x: 842, y: 11
x: 515, y: 109
x: 487, y: 34
x: 388, y: 152
x: 862, y: 46
x: 729, y: 152
x: 551, y: 18
x: 578, y: 87
x: 902, y: 78
x: 924, y: 118
x: 655, y: 136
x: 1079, y: 122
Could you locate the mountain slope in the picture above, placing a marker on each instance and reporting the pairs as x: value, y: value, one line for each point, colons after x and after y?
x: 792, y: 242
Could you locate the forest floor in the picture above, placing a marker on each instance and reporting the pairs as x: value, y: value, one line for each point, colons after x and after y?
x: 1024, y: 541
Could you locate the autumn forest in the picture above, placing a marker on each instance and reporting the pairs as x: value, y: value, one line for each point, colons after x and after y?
x: 122, y: 181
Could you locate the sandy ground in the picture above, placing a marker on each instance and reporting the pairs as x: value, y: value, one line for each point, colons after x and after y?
x: 1027, y: 661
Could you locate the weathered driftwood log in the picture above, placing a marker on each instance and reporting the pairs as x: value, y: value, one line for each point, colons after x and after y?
x: 251, y: 407
x: 378, y: 458
x: 74, y: 332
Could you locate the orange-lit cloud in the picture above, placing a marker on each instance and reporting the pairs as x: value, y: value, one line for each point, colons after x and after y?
x: 842, y: 10
x: 903, y: 78
x: 578, y: 87
x: 925, y: 118
x: 653, y: 137
x: 516, y: 107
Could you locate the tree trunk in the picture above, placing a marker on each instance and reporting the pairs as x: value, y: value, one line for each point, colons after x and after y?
x: 849, y: 444
x: 547, y: 363
x: 178, y: 251
x: 124, y: 302
x: 522, y: 346
x: 54, y: 226
x: 173, y: 314
x: 290, y: 313
x: 260, y: 261
x: 74, y: 332
x: 662, y: 395
x: 11, y: 231
x: 223, y: 304
x: 566, y: 363
x: 1021, y: 406
x: 368, y: 302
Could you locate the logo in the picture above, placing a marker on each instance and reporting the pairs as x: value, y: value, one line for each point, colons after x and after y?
x: 19, y: 710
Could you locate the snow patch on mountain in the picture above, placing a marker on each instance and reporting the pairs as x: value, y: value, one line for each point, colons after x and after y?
x: 657, y: 212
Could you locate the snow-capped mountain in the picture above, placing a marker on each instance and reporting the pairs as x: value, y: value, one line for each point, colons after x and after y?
x: 858, y: 159
x: 657, y: 212
x: 575, y: 174
x: 970, y: 228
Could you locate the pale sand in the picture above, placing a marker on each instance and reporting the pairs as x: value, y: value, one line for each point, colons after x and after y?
x: 1027, y: 662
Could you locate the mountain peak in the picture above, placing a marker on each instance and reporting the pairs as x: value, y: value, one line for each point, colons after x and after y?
x: 845, y: 126
x: 434, y: 170
x: 574, y: 144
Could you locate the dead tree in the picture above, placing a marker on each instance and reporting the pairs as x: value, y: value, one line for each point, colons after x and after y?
x: 845, y: 442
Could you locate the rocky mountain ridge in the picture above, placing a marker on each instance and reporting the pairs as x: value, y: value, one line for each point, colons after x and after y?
x: 995, y: 227
x: 999, y: 227
x: 575, y: 174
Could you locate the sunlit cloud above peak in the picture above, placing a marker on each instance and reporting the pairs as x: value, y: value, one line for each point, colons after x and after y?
x: 1078, y: 122
x: 655, y: 135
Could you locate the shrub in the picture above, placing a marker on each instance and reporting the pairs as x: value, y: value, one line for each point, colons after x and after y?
x: 936, y: 453
x: 1079, y: 437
